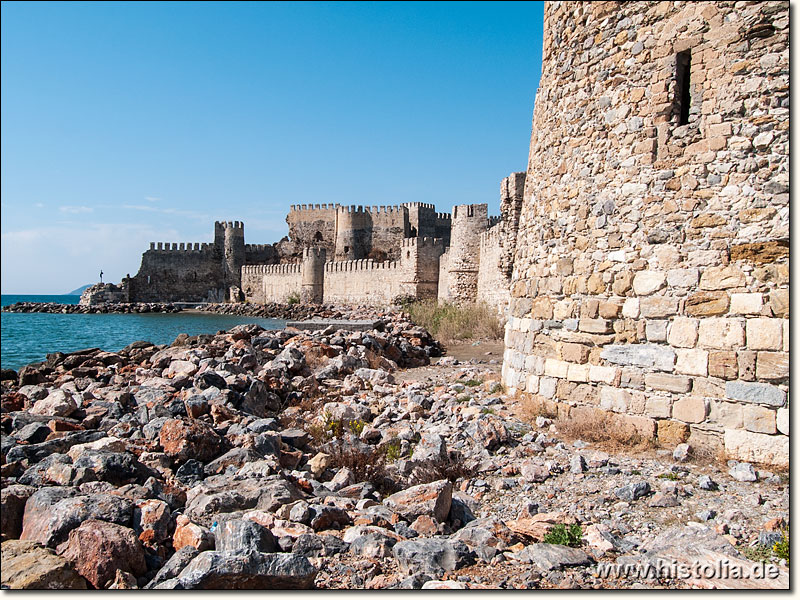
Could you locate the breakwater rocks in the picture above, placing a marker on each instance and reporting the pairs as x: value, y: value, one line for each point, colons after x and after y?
x: 275, y: 310
x: 53, y: 307
x: 284, y: 459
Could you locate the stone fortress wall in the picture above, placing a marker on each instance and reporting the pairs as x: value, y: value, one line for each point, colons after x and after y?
x: 651, y: 269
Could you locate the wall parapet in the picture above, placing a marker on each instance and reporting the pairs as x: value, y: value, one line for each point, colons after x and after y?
x: 302, y: 207
x: 179, y: 246
x: 371, y: 209
x: 284, y: 269
x: 340, y: 266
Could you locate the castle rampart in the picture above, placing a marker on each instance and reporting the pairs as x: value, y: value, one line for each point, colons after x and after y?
x: 651, y: 271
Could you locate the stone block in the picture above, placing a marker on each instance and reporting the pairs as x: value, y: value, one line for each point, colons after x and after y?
x: 672, y: 433
x: 532, y: 384
x: 692, y: 362
x: 706, y: 304
x: 542, y: 308
x: 640, y: 355
x: 648, y: 282
x: 631, y: 377
x: 757, y: 447
x: 683, y: 332
x: 726, y: 414
x: 721, y: 333
x: 764, y: 334
x: 578, y: 373
x: 747, y: 365
x: 595, y: 326
x: 556, y: 368
x: 782, y: 420
x: 574, y: 353
x: 659, y: 407
x: 759, y: 419
x: 644, y: 426
x: 630, y: 309
x: 547, y: 386
x: 678, y: 384
x: 779, y: 302
x: 722, y: 278
x: 609, y: 310
x: 656, y: 331
x: 772, y: 365
x: 746, y: 304
x: 656, y: 307
x: 691, y: 409
x: 786, y: 335
x: 614, y: 399
x: 755, y: 393
x: 723, y: 364
x: 683, y: 278
x: 601, y: 374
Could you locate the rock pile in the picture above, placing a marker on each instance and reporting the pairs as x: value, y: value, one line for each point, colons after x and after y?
x: 124, y: 307
x: 279, y: 459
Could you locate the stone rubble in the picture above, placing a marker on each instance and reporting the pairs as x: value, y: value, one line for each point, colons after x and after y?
x: 257, y: 459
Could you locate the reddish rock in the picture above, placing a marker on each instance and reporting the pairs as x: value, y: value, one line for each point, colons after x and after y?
x: 182, y: 440
x: 152, y: 521
x: 191, y: 534
x: 432, y: 499
x: 98, y: 550
x: 13, y: 402
x: 12, y: 507
x: 29, y: 566
x: 425, y: 525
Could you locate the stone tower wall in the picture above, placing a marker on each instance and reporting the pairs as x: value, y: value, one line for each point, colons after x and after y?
x: 651, y: 273
x: 421, y: 219
x: 469, y: 221
x: 234, y: 253
x: 313, y: 225
x: 375, y: 232
x: 313, y: 275
x: 493, y: 285
x: 172, y: 272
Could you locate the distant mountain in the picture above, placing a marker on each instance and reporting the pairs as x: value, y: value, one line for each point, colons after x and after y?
x: 79, y: 291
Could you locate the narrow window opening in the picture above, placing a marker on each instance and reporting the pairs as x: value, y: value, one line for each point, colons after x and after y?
x: 318, y: 236
x: 346, y: 249
x: 683, y: 68
x: 148, y: 280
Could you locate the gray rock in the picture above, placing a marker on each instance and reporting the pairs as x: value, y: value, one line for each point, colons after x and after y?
x: 633, y: 491
x: 760, y: 393
x: 640, y: 355
x: 681, y: 452
x: 552, y: 556
x: 431, y: 447
x: 743, y: 472
x: 577, y: 464
x: 312, y: 545
x: 706, y: 515
x: 172, y: 568
x: 242, y: 535
x: 704, y: 482
x: 373, y: 545
x: 435, y: 556
x: 247, y: 571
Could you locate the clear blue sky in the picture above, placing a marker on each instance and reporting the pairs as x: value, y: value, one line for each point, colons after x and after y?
x: 125, y: 123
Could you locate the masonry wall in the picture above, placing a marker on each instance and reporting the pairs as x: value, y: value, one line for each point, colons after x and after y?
x: 469, y: 221
x: 493, y: 285
x: 172, y: 272
x: 372, y: 232
x: 313, y: 225
x: 363, y: 282
x: 651, y: 270
x: 271, y: 283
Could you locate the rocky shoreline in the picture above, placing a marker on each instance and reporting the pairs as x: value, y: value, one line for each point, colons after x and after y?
x: 270, y: 310
x: 56, y: 308
x: 335, y: 459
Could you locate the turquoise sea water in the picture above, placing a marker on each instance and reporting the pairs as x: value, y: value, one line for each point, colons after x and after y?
x: 28, y: 337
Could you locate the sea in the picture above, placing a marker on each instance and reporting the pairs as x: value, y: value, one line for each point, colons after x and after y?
x: 29, y: 337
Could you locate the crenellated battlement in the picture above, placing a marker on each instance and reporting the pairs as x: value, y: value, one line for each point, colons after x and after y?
x: 346, y: 266
x: 493, y: 221
x: 307, y: 207
x: 444, y: 217
x: 285, y: 269
x: 372, y: 209
x: 179, y: 246
x: 422, y: 242
x: 418, y: 205
x: 491, y: 237
x: 239, y: 225
x: 313, y: 253
x: 257, y: 247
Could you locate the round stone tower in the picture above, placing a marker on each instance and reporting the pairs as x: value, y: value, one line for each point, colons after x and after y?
x: 469, y: 221
x: 233, y: 252
x: 353, y: 232
x: 313, y: 275
x: 650, y: 280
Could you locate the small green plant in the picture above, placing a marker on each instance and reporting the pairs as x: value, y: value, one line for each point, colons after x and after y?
x: 293, y: 298
x: 671, y: 476
x: 781, y: 548
x: 392, y: 450
x: 473, y: 382
x: 356, y: 426
x: 487, y: 411
x: 757, y: 553
x: 562, y: 535
x: 636, y: 472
